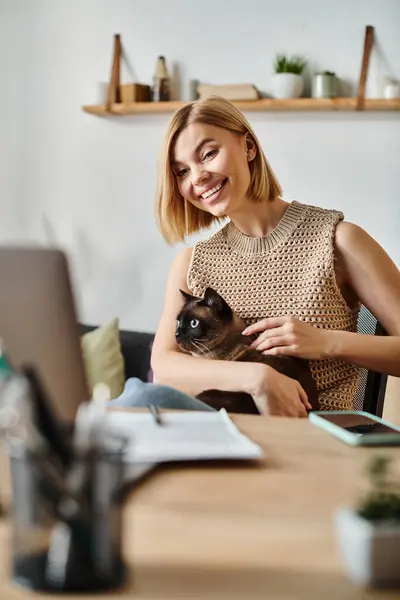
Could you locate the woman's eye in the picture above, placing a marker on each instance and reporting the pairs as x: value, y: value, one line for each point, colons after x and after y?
x: 176, y: 325
x: 209, y: 154
x: 194, y: 323
x: 181, y: 172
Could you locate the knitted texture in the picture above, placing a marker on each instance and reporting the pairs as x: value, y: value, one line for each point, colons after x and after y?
x: 288, y: 272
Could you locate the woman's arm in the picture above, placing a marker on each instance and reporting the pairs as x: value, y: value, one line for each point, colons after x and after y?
x: 375, y: 280
x: 273, y: 393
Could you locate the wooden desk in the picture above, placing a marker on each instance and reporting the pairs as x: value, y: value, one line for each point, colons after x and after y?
x: 240, y: 532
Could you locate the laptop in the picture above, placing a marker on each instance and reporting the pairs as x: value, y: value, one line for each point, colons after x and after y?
x: 39, y: 326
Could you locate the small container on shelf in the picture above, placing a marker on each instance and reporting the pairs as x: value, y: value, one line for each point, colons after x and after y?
x: 391, y: 88
x: 161, y: 82
x: 324, y: 85
x: 134, y: 92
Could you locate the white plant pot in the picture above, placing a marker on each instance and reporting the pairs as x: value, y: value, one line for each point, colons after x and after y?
x: 287, y: 85
x: 370, y: 552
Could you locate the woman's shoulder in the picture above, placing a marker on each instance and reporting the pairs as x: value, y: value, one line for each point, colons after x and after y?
x: 182, y: 259
x: 214, y: 241
x: 313, y: 211
x: 320, y: 219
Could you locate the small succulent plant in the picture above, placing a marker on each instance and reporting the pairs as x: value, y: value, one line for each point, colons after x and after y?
x: 284, y: 64
x: 382, y: 501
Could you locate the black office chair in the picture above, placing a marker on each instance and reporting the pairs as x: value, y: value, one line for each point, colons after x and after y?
x: 370, y: 395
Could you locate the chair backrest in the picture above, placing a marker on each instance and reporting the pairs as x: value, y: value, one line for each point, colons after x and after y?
x: 370, y: 395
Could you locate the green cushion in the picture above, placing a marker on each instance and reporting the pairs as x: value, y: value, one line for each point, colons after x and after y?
x: 103, y: 359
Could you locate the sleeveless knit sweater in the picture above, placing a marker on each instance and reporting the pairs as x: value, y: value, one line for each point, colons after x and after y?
x: 290, y: 271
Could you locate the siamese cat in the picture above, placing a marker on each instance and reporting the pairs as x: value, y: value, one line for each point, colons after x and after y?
x: 208, y: 327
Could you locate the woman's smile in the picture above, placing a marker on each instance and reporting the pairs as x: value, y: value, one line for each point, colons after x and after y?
x: 213, y: 193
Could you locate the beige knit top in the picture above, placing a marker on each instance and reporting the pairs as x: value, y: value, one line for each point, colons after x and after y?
x: 290, y: 271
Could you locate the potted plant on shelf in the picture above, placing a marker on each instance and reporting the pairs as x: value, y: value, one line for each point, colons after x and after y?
x: 287, y: 82
x: 369, y: 534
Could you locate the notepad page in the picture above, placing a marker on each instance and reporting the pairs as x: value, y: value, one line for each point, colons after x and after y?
x: 182, y: 436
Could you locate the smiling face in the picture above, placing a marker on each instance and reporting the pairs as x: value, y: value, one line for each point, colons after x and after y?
x: 211, y: 165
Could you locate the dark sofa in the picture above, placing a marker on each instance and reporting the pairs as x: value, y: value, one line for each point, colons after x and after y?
x: 136, y: 350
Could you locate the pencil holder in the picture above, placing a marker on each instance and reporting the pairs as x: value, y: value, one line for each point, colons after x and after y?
x: 62, y: 541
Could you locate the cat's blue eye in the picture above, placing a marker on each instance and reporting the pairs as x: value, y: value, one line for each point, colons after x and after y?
x: 194, y: 323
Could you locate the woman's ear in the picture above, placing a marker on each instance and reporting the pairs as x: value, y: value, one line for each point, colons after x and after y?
x: 251, y: 148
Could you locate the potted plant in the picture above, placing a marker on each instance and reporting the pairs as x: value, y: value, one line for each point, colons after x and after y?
x: 369, y: 534
x: 288, y: 81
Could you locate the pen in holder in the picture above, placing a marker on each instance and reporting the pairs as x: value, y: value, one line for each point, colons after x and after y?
x: 64, y: 542
x: 66, y: 501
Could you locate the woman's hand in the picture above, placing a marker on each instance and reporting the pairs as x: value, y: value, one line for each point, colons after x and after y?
x: 288, y: 336
x: 277, y: 394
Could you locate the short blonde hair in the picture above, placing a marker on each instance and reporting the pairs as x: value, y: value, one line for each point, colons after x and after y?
x: 176, y: 216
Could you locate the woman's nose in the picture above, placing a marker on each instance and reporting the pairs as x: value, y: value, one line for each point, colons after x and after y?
x: 199, y: 176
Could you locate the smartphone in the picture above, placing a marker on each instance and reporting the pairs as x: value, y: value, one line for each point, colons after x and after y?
x: 357, y: 428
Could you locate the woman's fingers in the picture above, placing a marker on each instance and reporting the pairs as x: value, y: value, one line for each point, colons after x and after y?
x: 264, y: 324
x: 265, y: 336
x: 303, y: 396
x: 270, y: 342
x: 281, y: 351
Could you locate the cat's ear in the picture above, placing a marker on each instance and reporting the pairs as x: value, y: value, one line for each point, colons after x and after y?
x: 214, y: 300
x: 187, y: 297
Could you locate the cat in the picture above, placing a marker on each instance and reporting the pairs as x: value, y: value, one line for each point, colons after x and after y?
x: 208, y: 327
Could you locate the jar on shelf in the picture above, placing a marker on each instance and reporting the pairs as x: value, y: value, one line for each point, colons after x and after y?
x: 161, y: 82
x: 324, y: 85
x: 391, y: 88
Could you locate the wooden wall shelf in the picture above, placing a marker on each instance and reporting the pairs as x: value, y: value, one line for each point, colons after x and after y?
x: 267, y: 104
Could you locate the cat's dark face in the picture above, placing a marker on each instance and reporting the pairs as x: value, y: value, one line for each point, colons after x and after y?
x: 203, y: 323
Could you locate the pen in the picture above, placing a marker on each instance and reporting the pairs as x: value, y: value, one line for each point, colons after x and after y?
x: 156, y: 414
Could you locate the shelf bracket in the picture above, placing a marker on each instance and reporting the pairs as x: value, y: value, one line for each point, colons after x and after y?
x: 368, y: 42
x: 113, y: 93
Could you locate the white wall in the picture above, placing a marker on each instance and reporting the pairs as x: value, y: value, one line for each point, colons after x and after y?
x: 88, y: 183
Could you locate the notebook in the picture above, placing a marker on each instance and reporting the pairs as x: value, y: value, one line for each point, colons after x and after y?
x: 182, y: 436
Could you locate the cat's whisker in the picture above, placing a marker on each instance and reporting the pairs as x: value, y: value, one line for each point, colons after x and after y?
x: 198, y: 347
x: 218, y: 339
x: 201, y: 345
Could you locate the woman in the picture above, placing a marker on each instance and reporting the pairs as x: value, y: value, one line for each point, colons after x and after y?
x: 295, y: 273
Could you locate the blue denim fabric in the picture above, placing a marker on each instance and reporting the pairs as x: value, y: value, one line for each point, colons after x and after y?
x: 140, y: 394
